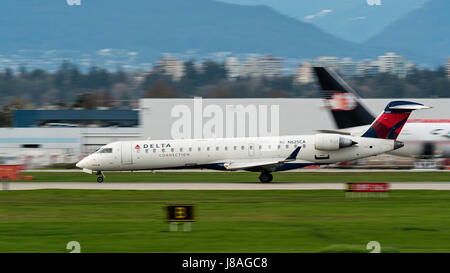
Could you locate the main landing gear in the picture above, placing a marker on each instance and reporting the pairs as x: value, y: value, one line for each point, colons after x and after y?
x: 100, y: 176
x: 265, y: 177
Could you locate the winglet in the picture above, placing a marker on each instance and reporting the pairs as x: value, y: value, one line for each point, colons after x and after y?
x: 293, y: 155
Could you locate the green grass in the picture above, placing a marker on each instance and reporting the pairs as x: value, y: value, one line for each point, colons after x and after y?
x: 243, y: 176
x: 227, y: 221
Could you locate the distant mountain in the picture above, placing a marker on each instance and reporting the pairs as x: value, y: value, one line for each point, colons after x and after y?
x: 424, y: 30
x: 352, y: 20
x: 146, y: 29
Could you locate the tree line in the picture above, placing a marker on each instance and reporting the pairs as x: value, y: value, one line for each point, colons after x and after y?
x: 68, y: 87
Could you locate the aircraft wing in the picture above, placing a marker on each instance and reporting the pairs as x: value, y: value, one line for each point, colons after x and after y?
x: 264, y: 163
x: 249, y: 164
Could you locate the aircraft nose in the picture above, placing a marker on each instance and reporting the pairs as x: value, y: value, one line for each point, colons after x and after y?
x: 82, y: 163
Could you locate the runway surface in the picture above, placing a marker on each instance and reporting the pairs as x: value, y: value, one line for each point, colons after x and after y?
x: 305, y: 170
x: 211, y: 186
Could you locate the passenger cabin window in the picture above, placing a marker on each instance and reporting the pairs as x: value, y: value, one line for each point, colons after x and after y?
x: 242, y: 147
x: 172, y: 150
x: 217, y: 148
x: 181, y: 149
x: 235, y: 148
x: 207, y: 148
x: 190, y: 149
x: 199, y: 149
x: 154, y: 150
x: 226, y: 148
x: 287, y: 146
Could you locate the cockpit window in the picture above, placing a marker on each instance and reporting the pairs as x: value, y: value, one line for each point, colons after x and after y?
x: 105, y: 150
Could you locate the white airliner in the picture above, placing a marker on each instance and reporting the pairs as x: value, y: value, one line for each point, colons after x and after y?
x: 422, y: 138
x: 262, y: 154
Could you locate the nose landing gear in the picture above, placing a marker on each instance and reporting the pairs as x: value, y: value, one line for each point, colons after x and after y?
x: 100, y: 176
x: 265, y: 177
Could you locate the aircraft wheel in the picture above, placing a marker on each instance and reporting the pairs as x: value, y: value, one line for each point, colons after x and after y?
x: 266, y: 177
x: 100, y: 179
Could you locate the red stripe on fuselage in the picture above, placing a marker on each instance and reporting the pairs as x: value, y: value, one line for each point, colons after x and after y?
x: 418, y: 120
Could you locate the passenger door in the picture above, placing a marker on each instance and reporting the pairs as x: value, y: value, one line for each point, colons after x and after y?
x: 126, y: 153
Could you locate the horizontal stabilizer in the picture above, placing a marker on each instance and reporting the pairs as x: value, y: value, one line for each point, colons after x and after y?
x: 409, y: 107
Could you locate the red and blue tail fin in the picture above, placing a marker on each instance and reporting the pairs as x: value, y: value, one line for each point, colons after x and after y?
x: 389, y: 124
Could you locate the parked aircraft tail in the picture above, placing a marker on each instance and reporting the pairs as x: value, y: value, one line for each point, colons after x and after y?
x: 343, y: 102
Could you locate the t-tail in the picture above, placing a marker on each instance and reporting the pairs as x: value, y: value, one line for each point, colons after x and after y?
x: 390, y: 122
x: 343, y: 102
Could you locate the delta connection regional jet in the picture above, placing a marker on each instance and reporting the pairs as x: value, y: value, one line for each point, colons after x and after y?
x: 263, y: 154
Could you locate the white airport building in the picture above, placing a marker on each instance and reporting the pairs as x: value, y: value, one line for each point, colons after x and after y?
x: 43, y: 143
